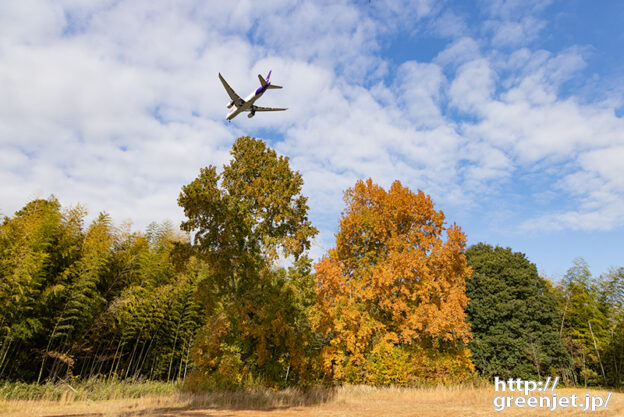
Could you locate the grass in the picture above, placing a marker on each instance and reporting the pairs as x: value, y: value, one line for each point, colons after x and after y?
x: 339, y: 401
x: 84, y: 390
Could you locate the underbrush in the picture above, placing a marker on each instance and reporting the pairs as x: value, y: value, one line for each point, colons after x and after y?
x: 80, y: 390
x: 259, y: 398
x: 99, y: 389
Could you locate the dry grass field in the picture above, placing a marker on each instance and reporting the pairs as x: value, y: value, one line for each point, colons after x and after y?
x: 345, y: 401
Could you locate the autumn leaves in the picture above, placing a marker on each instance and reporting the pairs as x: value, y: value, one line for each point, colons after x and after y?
x: 391, y: 295
x: 386, y: 305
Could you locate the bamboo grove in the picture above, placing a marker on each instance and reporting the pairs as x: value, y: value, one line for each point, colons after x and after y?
x: 399, y: 300
x: 97, y: 300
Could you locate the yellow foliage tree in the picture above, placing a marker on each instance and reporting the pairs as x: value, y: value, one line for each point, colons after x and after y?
x: 391, y: 296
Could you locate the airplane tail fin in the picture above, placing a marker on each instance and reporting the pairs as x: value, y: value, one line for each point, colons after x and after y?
x: 264, y: 82
x: 271, y: 86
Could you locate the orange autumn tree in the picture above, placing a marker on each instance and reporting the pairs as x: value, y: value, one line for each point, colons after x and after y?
x: 391, y: 296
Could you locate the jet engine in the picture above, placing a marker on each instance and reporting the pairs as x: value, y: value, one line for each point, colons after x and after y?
x: 229, y: 106
x: 251, y: 114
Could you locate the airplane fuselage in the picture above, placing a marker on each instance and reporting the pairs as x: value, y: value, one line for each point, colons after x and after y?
x: 247, y: 106
x: 248, y: 103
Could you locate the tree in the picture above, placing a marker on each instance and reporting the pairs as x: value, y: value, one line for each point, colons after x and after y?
x: 584, y: 323
x: 83, y: 300
x: 391, y: 296
x: 153, y: 318
x: 612, y: 299
x: 95, y: 302
x: 243, y: 219
x: 36, y: 245
x: 513, y: 313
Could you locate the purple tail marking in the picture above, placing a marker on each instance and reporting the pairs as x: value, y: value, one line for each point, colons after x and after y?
x: 264, y: 87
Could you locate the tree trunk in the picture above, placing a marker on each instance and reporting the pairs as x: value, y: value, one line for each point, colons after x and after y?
x: 604, y: 378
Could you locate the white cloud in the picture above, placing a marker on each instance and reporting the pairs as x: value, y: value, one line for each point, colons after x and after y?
x: 45, y: 21
x: 514, y: 33
x: 460, y: 51
x: 473, y: 87
x: 449, y: 24
x: 332, y: 34
x: 78, y: 110
x: 529, y: 123
x: 418, y: 89
x: 599, y: 185
x: 606, y: 163
x: 402, y: 15
x: 514, y: 23
x: 509, y: 9
x: 117, y: 105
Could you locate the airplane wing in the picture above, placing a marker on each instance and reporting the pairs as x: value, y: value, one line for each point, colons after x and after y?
x: 235, y: 98
x: 258, y: 108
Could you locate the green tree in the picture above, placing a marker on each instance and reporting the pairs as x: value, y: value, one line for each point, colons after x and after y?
x: 243, y: 219
x: 153, y: 318
x: 83, y: 300
x: 513, y: 313
x: 612, y: 298
x: 593, y: 324
x: 101, y: 301
x: 583, y: 323
x: 36, y: 245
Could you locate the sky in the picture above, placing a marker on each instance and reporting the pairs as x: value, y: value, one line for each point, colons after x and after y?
x: 508, y: 113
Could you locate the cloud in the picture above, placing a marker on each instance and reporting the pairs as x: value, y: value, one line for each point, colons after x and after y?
x: 509, y: 9
x: 514, y: 23
x: 401, y: 15
x: 344, y: 39
x: 528, y: 125
x: 514, y: 33
x: 450, y: 24
x: 100, y: 116
x: 460, y: 51
x: 418, y: 87
x: 473, y: 86
x: 599, y: 186
x: 117, y: 105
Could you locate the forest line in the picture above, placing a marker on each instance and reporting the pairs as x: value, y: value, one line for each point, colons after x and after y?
x: 399, y: 300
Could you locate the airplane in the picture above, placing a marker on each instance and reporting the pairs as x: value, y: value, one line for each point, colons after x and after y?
x: 248, y: 103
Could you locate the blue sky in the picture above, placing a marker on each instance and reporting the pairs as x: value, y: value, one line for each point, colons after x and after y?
x: 509, y: 113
